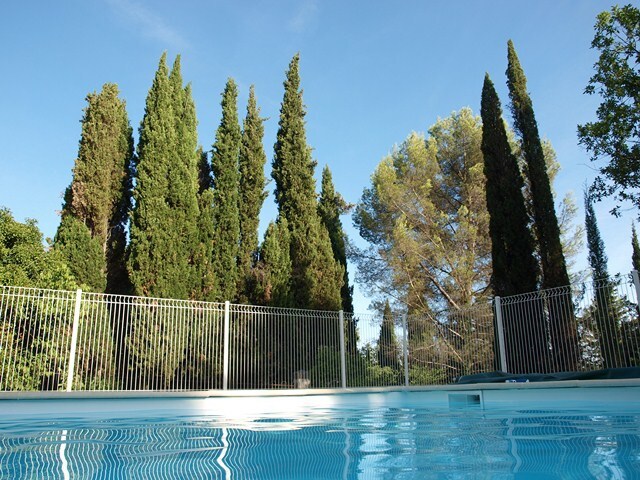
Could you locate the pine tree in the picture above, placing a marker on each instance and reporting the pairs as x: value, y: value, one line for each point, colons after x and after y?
x: 635, y: 255
x: 224, y: 163
x: 316, y: 277
x: 388, y: 349
x: 164, y: 219
x: 514, y: 266
x: 605, y: 311
x: 554, y: 270
x: 92, y: 230
x: 252, y: 194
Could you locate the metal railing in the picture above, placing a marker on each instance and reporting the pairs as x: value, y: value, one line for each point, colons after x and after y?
x: 61, y: 340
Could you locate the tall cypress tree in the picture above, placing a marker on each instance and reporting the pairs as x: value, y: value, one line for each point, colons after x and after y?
x: 604, y: 309
x: 316, y: 277
x: 184, y: 184
x: 224, y: 163
x: 514, y: 265
x: 515, y: 268
x: 635, y: 246
x: 204, y: 255
x: 92, y: 231
x: 554, y: 269
x: 252, y: 194
x: 388, y: 348
x: 330, y: 207
x: 273, y: 272
x: 165, y: 215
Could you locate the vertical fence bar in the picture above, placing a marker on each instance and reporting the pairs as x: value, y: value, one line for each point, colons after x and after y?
x: 225, y: 366
x: 74, y: 339
x: 405, y: 349
x: 501, y: 346
x: 343, y: 359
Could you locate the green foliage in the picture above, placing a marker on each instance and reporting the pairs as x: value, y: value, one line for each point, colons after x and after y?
x: 388, y: 348
x: 361, y: 371
x: 515, y: 269
x: 635, y: 255
x: 571, y: 231
x: 272, y: 275
x: 82, y: 252
x: 25, y: 262
x: 514, y: 266
x: 316, y: 277
x: 615, y: 136
x: 605, y: 310
x: 99, y: 196
x: 426, y: 219
x: 427, y: 376
x: 164, y: 219
x: 34, y: 333
x: 552, y: 261
x: 330, y: 207
x: 252, y: 194
x: 204, y: 253
x: 226, y: 197
x: 597, y: 256
x: 554, y: 271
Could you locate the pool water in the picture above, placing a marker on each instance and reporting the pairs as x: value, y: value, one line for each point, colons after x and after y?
x: 326, y: 443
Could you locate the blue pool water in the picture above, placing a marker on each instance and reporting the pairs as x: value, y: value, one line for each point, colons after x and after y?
x: 326, y: 443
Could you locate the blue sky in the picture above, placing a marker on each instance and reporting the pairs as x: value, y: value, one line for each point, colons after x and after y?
x: 372, y: 72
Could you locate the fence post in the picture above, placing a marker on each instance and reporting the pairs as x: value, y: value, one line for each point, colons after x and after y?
x: 74, y: 340
x: 343, y: 359
x: 405, y: 348
x: 499, y: 324
x: 225, y: 367
x: 636, y: 283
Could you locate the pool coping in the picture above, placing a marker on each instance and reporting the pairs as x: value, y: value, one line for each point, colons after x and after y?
x: 107, y: 394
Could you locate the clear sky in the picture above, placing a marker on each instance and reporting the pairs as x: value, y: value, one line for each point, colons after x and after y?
x: 372, y: 72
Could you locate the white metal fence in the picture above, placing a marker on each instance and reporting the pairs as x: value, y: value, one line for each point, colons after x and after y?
x: 60, y: 340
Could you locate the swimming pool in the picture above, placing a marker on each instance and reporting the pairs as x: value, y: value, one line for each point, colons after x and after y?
x: 497, y: 431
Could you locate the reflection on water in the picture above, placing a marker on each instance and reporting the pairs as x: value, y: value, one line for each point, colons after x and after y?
x: 325, y: 444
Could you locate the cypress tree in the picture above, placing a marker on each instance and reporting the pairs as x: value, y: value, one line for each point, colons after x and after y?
x: 203, y: 265
x: 388, y: 349
x: 604, y: 309
x: 226, y: 225
x: 546, y: 224
x: 273, y: 272
x: 92, y: 230
x: 512, y: 249
x: 635, y: 255
x: 597, y: 256
x: 554, y: 270
x: 164, y: 218
x: 252, y: 194
x: 514, y: 264
x: 82, y: 253
x: 316, y: 277
x: 330, y: 207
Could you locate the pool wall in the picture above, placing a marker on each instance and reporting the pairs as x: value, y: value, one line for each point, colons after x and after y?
x: 247, y: 403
